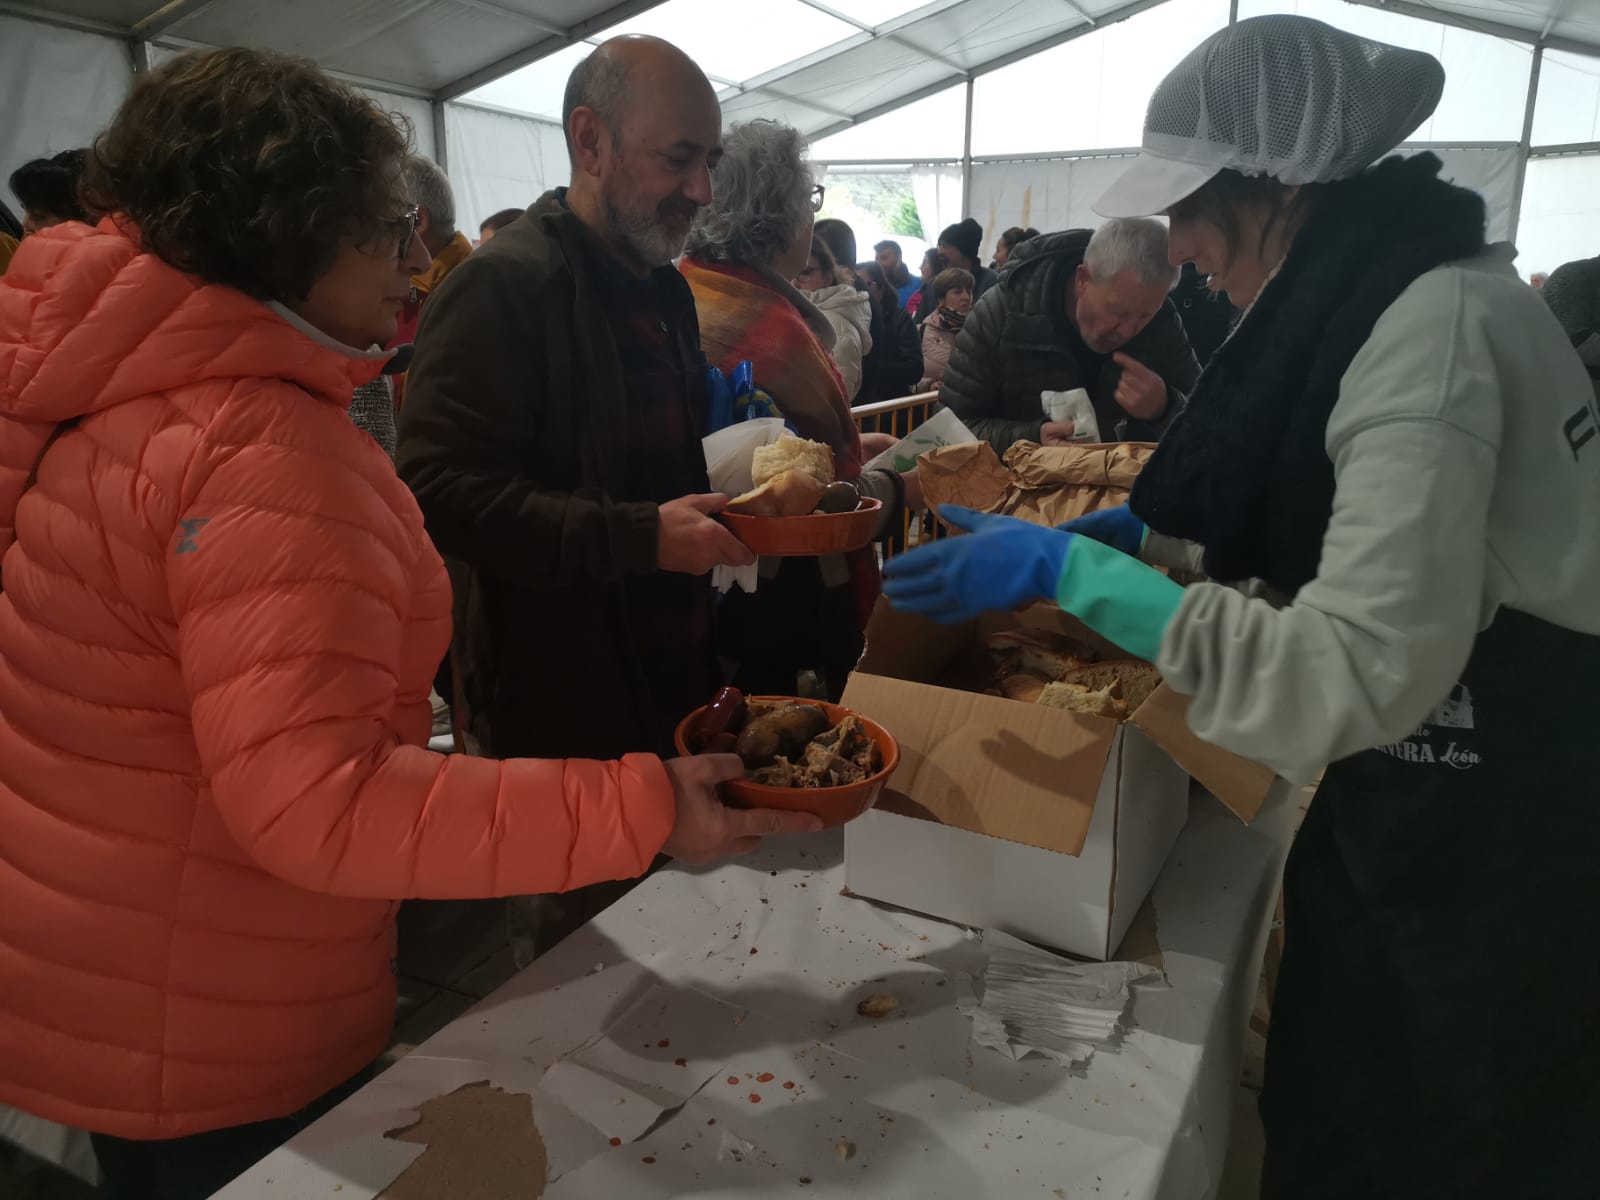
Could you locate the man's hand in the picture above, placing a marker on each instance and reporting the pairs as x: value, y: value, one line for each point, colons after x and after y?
x: 874, y: 444
x: 1056, y: 433
x: 913, y: 481
x: 1141, y: 392
x: 691, y: 543
x: 706, y: 828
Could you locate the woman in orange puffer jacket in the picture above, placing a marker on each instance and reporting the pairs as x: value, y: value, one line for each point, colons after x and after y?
x: 219, y: 618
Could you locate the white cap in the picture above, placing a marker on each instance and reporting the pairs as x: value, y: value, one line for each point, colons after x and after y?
x: 1288, y: 97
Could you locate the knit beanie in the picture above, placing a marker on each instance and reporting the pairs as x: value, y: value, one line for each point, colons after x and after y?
x: 966, y: 237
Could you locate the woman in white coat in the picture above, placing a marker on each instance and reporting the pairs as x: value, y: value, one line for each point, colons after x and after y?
x: 848, y: 309
x: 1396, y: 451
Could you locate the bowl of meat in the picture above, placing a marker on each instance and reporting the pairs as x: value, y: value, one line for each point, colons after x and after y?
x: 803, y: 755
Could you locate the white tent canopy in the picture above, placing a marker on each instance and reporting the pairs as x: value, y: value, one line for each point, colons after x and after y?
x: 1013, y: 112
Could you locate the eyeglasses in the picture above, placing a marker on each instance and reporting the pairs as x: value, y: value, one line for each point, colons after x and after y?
x: 817, y: 194
x: 411, y: 218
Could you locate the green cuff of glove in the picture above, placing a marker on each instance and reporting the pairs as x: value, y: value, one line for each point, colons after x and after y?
x: 1118, y: 597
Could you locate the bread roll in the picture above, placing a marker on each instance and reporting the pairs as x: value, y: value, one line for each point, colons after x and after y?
x: 791, y: 494
x: 792, y: 454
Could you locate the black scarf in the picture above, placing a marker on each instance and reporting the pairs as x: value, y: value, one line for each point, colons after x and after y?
x: 953, y: 321
x: 1244, y: 469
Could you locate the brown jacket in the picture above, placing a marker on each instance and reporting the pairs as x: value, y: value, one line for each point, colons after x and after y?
x: 513, y: 439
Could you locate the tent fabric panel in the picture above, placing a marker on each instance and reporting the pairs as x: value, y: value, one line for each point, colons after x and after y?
x: 419, y: 43
x: 1057, y: 194
x: 63, y: 88
x: 113, y: 12
x: 976, y: 31
x: 1560, y: 212
x: 498, y: 161
x: 831, y: 105
x: 928, y: 130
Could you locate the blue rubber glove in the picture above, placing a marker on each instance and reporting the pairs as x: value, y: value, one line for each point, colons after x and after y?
x: 1114, y: 527
x: 1009, y: 562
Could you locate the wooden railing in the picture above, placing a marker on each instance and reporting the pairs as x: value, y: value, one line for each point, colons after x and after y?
x: 898, y: 418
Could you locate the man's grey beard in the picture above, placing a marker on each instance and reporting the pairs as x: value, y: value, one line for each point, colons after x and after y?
x: 645, y: 234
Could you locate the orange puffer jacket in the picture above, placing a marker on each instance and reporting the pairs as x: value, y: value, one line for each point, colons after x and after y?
x: 219, y: 619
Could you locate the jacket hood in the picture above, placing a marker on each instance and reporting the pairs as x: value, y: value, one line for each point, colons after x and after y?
x: 1041, y: 253
x: 88, y: 321
x: 843, y: 300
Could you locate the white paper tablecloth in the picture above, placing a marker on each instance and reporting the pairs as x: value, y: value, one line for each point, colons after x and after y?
x: 927, y: 1113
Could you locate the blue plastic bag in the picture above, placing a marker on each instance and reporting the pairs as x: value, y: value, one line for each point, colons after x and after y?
x: 735, y: 398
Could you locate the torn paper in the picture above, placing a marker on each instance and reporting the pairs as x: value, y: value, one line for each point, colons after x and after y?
x: 482, y: 1144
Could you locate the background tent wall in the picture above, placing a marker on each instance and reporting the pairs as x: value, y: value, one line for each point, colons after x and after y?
x: 500, y: 160
x: 61, y: 87
x: 1057, y: 193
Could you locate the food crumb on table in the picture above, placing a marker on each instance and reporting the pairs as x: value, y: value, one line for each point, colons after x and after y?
x: 878, y: 1005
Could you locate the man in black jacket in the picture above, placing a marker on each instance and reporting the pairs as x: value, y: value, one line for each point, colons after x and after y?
x: 1075, y: 310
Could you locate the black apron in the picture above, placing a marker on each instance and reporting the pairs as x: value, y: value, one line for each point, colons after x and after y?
x: 1436, y: 1027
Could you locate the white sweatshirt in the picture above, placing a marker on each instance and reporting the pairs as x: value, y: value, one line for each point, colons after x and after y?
x: 1463, y: 483
x: 849, y: 312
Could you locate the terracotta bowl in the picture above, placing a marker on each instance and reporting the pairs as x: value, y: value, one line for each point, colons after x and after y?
x: 806, y: 537
x: 835, y: 805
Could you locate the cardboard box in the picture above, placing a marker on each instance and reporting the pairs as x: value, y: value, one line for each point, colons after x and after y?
x: 1047, y: 825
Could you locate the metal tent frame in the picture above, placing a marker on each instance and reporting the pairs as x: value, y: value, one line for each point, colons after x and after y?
x: 911, y: 36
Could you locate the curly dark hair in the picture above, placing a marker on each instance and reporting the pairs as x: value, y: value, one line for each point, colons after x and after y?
x: 250, y: 169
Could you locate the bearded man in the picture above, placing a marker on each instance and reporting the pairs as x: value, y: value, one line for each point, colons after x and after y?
x: 551, y: 434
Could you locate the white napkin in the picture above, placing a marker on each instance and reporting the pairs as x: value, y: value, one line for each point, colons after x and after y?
x: 728, y: 457
x: 1034, y: 1001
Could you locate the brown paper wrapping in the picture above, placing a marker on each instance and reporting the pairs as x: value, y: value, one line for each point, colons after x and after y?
x: 1043, y: 484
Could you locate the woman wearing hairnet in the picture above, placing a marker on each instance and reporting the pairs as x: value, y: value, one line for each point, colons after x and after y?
x: 1396, y: 455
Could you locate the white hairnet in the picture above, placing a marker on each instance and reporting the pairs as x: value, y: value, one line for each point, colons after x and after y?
x: 1288, y: 97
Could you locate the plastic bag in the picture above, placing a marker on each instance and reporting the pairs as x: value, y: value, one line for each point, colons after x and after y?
x: 735, y: 398
x: 1074, y: 406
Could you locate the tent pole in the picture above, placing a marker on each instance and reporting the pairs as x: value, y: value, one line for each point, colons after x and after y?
x: 966, y: 152
x: 441, y: 150
x: 1526, y: 144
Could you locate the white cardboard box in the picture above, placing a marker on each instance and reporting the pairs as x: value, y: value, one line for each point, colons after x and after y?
x: 1047, y: 825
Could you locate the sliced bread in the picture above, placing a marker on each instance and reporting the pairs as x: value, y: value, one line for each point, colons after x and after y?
x: 1135, y: 680
x: 1074, y: 697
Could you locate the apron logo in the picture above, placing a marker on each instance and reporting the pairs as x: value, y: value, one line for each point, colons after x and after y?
x: 1453, y: 712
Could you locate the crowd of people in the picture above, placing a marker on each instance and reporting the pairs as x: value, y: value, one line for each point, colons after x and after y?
x: 284, y: 455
